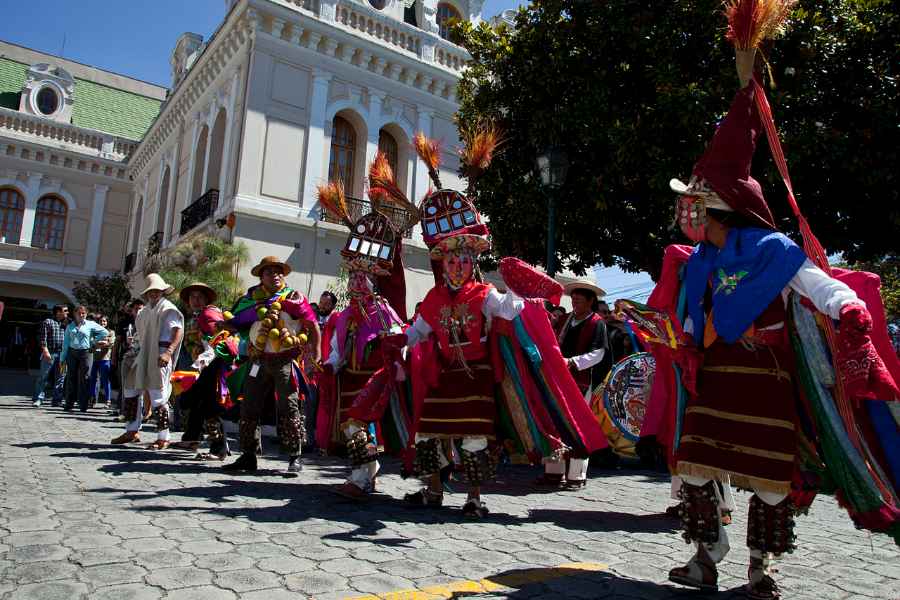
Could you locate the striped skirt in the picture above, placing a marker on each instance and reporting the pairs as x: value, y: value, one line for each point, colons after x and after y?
x: 461, y: 405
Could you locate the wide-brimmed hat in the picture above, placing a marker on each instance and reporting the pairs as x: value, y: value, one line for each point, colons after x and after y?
x: 476, y: 244
x: 270, y: 261
x: 156, y: 282
x: 197, y: 285
x: 583, y: 284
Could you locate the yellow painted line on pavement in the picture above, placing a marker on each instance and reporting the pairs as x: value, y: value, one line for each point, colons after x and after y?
x: 496, y: 583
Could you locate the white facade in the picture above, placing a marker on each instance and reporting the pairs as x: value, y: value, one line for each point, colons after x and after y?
x: 251, y: 115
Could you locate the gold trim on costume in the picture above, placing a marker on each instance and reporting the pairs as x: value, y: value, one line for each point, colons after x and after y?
x: 457, y: 420
x: 740, y: 480
x: 779, y: 373
x: 463, y: 399
x: 721, y: 414
x: 706, y: 441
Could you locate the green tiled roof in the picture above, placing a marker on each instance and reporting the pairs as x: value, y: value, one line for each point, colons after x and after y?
x: 96, y: 106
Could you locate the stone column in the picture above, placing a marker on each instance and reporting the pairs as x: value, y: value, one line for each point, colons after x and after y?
x: 31, y: 198
x: 376, y: 100
x: 95, y: 228
x: 316, y: 169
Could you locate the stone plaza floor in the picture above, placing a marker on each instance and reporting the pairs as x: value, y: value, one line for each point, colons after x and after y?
x: 80, y: 518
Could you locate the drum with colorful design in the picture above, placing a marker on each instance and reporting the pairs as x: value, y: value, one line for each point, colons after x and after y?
x: 620, y: 402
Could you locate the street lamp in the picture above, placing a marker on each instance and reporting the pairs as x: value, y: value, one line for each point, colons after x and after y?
x: 553, y: 165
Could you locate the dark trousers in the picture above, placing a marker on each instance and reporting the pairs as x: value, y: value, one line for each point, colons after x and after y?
x: 275, y: 375
x: 78, y: 371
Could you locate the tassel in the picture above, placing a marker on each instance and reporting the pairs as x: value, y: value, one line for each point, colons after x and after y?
x: 430, y: 153
x: 331, y: 197
x: 752, y: 21
x: 480, y: 145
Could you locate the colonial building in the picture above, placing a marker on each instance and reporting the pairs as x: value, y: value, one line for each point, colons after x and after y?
x: 288, y: 94
x: 66, y: 131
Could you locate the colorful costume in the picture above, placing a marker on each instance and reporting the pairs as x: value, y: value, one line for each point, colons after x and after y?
x: 355, y: 350
x: 277, y: 321
x: 742, y: 286
x: 486, y: 371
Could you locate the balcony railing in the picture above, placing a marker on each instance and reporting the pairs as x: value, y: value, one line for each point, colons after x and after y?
x: 130, y: 261
x: 154, y: 243
x: 358, y: 208
x: 202, y: 209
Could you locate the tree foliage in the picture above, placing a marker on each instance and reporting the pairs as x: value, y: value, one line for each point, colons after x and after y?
x: 888, y: 269
x: 105, y: 294
x: 205, y: 258
x: 633, y: 90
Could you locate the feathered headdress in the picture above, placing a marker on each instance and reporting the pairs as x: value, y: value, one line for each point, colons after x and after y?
x: 430, y: 152
x: 479, y: 146
x: 382, y: 186
x: 750, y: 23
x: 332, y: 198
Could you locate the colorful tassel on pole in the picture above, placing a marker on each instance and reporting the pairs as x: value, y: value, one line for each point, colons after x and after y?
x: 430, y: 152
x: 332, y: 198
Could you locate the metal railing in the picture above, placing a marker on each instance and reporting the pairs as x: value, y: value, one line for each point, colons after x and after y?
x: 130, y: 261
x: 154, y: 243
x: 358, y: 207
x: 200, y: 210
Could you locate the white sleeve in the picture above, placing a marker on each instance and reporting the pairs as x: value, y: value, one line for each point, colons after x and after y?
x: 205, y: 357
x: 173, y: 319
x: 826, y: 293
x: 334, y: 357
x: 588, y: 359
x: 417, y: 332
x: 506, y: 306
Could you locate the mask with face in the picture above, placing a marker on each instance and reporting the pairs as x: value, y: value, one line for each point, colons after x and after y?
x: 458, y: 268
x: 690, y: 213
x: 359, y: 286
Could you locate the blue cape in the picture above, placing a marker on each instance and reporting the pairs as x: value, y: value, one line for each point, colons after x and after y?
x: 745, y: 276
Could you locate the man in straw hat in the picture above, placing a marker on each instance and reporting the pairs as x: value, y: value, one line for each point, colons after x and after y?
x: 278, y: 322
x: 200, y: 403
x: 159, y: 330
x: 584, y: 343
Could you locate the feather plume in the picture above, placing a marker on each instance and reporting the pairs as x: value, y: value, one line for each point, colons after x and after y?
x: 430, y: 152
x: 750, y: 22
x: 480, y: 143
x: 383, y: 186
x: 331, y: 197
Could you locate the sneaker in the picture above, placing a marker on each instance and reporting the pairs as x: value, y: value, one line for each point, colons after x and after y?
x: 244, y: 463
x: 475, y: 508
x: 36, y: 404
x: 295, y: 465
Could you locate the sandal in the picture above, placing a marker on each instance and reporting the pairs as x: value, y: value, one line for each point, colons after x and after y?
x: 764, y: 587
x: 699, y: 573
x: 425, y: 498
x: 475, y: 508
x: 350, y: 490
x: 158, y: 445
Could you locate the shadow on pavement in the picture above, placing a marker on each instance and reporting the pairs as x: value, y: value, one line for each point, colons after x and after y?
x: 604, y: 521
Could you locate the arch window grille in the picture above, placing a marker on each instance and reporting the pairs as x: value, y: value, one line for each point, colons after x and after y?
x: 12, y: 209
x: 49, y: 223
x: 343, y: 151
x: 388, y: 145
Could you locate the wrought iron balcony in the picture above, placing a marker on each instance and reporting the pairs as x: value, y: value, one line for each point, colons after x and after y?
x: 358, y: 208
x: 202, y: 209
x: 154, y: 243
x: 130, y: 261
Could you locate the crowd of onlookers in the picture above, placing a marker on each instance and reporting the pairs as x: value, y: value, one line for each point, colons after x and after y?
x: 79, y: 352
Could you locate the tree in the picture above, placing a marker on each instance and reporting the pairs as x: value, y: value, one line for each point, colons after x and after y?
x: 205, y: 258
x: 105, y: 294
x: 888, y: 269
x: 633, y: 91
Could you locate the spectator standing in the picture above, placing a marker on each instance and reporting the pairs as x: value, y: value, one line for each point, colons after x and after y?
x: 78, y: 342
x: 102, y: 352
x: 327, y: 302
x: 51, y: 336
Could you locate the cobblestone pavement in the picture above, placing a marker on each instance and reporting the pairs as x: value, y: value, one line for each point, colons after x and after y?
x: 83, y: 519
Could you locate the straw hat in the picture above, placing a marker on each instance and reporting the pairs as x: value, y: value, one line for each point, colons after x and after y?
x: 584, y: 284
x: 156, y: 282
x: 197, y: 285
x: 270, y: 261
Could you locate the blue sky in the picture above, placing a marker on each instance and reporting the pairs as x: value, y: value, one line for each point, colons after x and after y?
x: 131, y: 37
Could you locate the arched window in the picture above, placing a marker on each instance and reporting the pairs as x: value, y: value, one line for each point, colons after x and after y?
x: 136, y: 227
x: 343, y: 150
x: 388, y: 145
x: 445, y: 12
x: 49, y: 223
x: 199, y: 165
x: 163, y: 200
x: 12, y: 209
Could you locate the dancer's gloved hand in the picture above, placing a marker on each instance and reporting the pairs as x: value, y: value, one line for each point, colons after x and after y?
x: 862, y: 372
